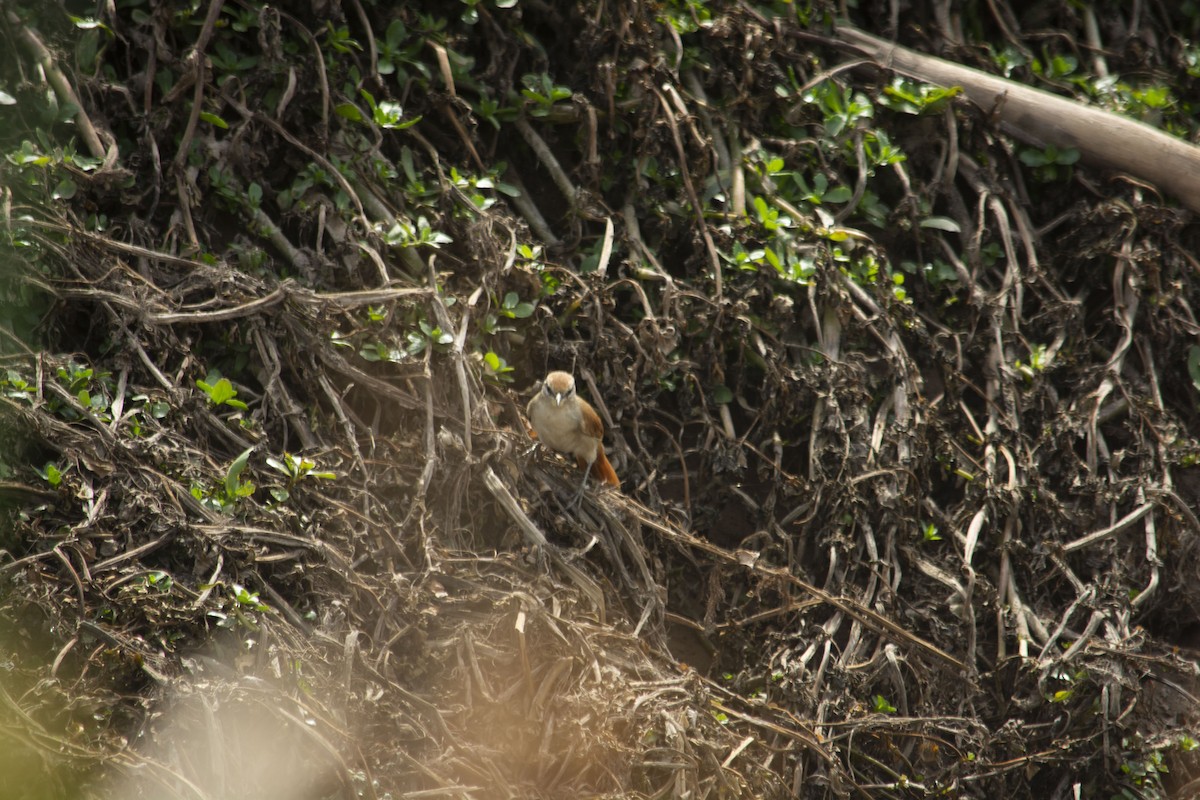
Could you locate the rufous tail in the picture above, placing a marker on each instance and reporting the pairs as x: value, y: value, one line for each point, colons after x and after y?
x: 602, y: 470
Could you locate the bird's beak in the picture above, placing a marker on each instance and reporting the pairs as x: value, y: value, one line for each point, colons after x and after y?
x: 558, y: 398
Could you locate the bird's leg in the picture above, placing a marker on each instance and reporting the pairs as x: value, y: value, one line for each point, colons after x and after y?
x: 582, y: 486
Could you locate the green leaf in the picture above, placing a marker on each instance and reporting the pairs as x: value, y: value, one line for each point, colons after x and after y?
x: 279, y: 466
x: 1068, y: 156
x: 722, y: 394
x: 213, y: 119
x: 233, y: 484
x: 1193, y: 365
x: 1033, y: 158
x: 838, y: 194
x: 348, y: 111
x: 760, y: 206
x: 1064, y: 65
x: 221, y: 392
x: 67, y: 112
x: 941, y: 224
x: 882, y: 706
x: 65, y: 189
x: 773, y: 259
x: 51, y: 473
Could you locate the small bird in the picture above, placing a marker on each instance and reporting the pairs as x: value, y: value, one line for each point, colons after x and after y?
x: 568, y: 423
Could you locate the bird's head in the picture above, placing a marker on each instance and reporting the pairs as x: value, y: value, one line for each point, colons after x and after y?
x: 559, y: 386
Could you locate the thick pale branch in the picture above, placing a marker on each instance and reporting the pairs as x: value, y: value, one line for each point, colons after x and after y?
x: 1104, y: 139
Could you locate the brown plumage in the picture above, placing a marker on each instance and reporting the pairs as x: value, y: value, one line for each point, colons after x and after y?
x: 565, y: 422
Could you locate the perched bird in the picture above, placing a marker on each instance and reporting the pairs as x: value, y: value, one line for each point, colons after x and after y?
x: 568, y: 423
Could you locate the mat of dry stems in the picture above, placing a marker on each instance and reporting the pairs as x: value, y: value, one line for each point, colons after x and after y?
x: 437, y: 620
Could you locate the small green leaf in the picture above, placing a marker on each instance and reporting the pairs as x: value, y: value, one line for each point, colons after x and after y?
x: 722, y: 394
x: 213, y: 119
x: 348, y: 111
x: 760, y: 206
x: 1068, y: 156
x: 1033, y: 158
x: 773, y: 259
x: 221, y: 392
x: 838, y: 194
x: 233, y: 484
x: 882, y: 706
x: 1194, y: 365
x: 51, y: 473
x: 941, y: 224
x: 65, y: 189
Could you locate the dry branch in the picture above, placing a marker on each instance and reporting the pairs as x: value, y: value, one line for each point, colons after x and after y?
x: 1039, y: 118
